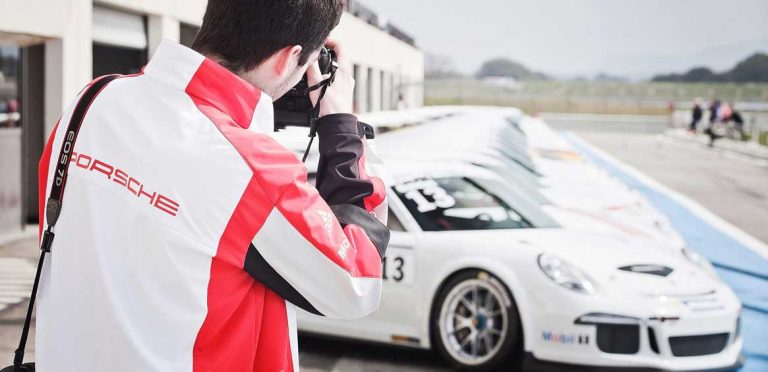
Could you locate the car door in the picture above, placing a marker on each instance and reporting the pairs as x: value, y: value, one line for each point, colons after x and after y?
x: 397, y: 318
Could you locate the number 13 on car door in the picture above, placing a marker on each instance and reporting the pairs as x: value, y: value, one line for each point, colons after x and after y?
x: 398, y: 266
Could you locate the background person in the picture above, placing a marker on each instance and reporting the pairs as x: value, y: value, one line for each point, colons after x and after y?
x: 714, y: 131
x: 713, y: 108
x: 738, y: 121
x: 696, y: 114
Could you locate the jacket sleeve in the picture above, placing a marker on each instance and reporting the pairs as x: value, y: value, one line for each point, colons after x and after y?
x: 326, y: 259
x: 343, y: 176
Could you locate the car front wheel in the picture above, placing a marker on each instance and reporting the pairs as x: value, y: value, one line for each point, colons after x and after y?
x: 474, y: 322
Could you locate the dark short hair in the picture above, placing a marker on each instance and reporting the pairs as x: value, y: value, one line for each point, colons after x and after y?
x: 244, y: 33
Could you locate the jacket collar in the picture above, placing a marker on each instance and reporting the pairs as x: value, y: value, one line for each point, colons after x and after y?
x: 205, y: 80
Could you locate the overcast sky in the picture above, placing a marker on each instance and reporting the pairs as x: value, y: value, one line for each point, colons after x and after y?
x: 635, y: 38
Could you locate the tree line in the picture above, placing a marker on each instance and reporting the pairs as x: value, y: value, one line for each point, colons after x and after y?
x: 753, y: 69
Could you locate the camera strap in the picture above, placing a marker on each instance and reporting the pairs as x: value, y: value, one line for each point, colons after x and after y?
x: 323, y: 85
x: 54, y: 203
x: 366, y: 129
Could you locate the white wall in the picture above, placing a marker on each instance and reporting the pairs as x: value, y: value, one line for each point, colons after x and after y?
x: 160, y: 27
x: 361, y: 92
x: 368, y: 46
x: 37, y: 17
x: 187, y: 11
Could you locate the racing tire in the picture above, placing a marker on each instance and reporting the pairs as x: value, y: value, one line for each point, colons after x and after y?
x: 474, y: 323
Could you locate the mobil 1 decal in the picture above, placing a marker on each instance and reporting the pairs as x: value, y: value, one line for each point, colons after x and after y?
x: 564, y: 338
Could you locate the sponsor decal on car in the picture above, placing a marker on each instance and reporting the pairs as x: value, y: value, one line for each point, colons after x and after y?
x: 399, y: 266
x: 564, y: 339
x: 419, y: 190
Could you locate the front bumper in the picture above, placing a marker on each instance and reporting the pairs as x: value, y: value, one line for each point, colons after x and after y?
x: 672, y: 334
x: 531, y: 363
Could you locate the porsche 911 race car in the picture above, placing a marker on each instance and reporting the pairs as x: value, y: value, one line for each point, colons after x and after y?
x: 488, y: 279
x: 578, y: 189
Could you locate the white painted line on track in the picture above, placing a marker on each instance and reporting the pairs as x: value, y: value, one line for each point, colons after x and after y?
x: 705, y: 214
x: 17, y: 276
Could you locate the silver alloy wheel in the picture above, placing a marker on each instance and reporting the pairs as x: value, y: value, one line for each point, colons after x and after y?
x: 473, y: 322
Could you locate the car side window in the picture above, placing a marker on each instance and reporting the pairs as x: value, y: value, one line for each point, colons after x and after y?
x: 393, y: 223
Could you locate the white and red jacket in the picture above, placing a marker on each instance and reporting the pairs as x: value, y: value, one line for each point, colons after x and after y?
x: 187, y: 234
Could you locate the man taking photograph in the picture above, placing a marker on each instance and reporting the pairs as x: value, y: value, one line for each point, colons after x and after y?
x: 187, y: 234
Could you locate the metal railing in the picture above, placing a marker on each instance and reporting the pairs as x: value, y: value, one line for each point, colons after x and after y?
x: 400, y: 34
x: 370, y: 17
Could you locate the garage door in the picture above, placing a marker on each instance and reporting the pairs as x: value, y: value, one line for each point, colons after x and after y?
x: 115, y: 28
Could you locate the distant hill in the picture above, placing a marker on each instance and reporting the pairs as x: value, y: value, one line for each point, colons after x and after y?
x: 604, y: 77
x: 718, y: 58
x: 753, y: 69
x: 505, y: 67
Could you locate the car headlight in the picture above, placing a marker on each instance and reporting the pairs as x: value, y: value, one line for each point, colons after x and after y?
x: 700, y: 261
x: 565, y: 274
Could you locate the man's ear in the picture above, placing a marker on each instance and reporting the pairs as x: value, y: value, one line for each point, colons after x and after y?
x: 287, y: 59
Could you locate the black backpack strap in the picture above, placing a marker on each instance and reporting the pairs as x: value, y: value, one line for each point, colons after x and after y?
x: 53, y: 206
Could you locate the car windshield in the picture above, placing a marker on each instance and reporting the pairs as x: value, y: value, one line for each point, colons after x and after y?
x: 456, y: 203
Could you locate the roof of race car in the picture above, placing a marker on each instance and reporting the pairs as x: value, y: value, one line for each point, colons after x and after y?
x: 469, y: 133
x: 403, y: 170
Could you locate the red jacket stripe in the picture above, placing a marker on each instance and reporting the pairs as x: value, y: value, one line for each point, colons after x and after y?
x: 274, y: 350
x: 230, y: 333
x: 214, y: 85
x: 379, y: 190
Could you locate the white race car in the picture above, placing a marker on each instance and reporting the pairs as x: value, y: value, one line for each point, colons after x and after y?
x: 554, y: 175
x: 570, y: 181
x: 488, y: 280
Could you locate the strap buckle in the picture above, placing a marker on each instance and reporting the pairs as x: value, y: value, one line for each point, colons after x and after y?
x: 48, y: 236
x: 367, y: 130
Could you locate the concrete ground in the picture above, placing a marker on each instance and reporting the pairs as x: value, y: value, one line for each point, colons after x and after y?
x: 12, y: 318
x: 731, y: 186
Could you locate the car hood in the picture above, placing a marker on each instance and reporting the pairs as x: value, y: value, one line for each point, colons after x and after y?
x: 654, y: 229
x: 616, y: 263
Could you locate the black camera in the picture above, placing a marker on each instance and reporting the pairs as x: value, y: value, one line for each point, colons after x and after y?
x: 26, y: 367
x: 295, y: 108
